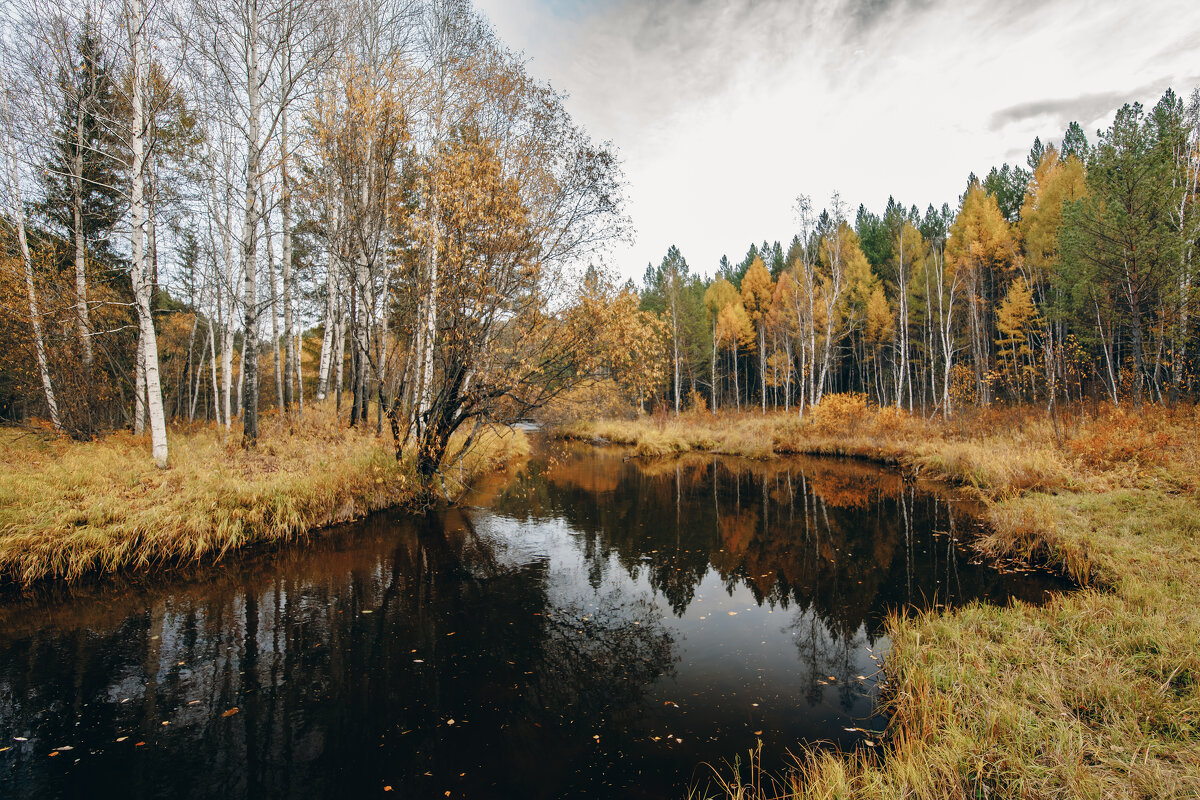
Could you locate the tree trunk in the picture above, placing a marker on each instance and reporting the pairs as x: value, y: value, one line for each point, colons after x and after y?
x: 81, y: 308
x: 762, y: 364
x: 332, y: 310
x: 139, y: 381
x: 249, y: 232
x: 274, y: 315
x: 285, y: 210
x: 141, y: 284
x: 714, y: 369
x: 35, y: 317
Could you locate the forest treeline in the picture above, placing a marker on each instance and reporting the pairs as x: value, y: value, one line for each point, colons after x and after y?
x: 216, y: 208
x: 1070, y: 277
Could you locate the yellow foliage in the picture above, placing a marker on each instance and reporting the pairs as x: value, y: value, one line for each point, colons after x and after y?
x: 880, y: 323
x: 1055, y: 181
x: 839, y: 412
x: 757, y: 290
x: 980, y: 238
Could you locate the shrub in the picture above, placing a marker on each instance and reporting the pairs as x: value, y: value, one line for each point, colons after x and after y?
x: 840, y: 412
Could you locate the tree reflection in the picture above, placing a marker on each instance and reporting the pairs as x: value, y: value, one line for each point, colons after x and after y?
x: 334, y: 676
x: 437, y: 655
x: 844, y: 539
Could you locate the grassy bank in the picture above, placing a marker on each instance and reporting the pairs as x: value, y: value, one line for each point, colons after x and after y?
x: 69, y: 509
x: 1096, y: 693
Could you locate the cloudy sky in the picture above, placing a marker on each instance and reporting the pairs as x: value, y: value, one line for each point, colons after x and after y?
x: 725, y: 110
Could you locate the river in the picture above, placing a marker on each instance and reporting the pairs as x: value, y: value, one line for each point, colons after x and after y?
x: 585, y: 624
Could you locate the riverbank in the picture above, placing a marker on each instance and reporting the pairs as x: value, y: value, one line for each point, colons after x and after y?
x: 1094, y: 694
x: 70, y: 509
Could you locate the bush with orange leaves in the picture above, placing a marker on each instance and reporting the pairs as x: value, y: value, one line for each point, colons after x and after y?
x: 839, y: 413
x: 1121, y: 436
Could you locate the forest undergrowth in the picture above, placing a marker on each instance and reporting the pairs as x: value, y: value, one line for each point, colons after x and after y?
x: 69, y: 509
x: 1094, y: 694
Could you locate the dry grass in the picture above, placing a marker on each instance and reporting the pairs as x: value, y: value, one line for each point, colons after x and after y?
x: 69, y: 509
x: 1095, y: 694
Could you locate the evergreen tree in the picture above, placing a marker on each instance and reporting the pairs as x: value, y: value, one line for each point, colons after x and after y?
x: 876, y: 240
x: 1007, y: 184
x: 1117, y: 240
x: 85, y: 145
x: 1075, y: 142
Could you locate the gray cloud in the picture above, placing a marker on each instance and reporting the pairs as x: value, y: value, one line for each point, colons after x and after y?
x: 1085, y: 109
x: 760, y: 99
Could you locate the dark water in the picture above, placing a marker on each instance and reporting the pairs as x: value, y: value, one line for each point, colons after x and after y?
x: 590, y: 626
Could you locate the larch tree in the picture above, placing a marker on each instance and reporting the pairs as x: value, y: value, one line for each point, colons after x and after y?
x: 757, y: 291
x: 1056, y: 181
x: 719, y: 294
x: 980, y: 250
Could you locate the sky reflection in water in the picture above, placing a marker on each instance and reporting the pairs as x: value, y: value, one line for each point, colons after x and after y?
x: 588, y: 626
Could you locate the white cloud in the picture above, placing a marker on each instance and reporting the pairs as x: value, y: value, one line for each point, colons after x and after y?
x: 725, y: 111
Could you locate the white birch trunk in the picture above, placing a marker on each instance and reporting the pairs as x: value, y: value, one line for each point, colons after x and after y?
x: 249, y: 232
x: 141, y: 285
x: 327, y: 339
x: 35, y: 317
x: 285, y: 209
x: 81, y: 308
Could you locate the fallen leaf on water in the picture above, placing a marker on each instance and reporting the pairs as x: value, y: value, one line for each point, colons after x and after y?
x: 140, y: 744
x: 656, y: 738
x: 53, y: 754
x: 733, y: 613
x: 367, y: 611
x: 122, y: 738
x: 65, y: 747
x: 758, y: 733
x: 868, y: 743
x: 596, y: 736
x: 193, y: 702
x: 832, y: 678
x: 166, y: 722
x: 20, y: 739
x: 670, y: 703
x: 230, y: 712
x: 449, y: 722
x: 387, y: 788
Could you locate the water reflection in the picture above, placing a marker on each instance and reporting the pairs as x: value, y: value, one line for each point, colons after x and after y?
x: 594, y: 625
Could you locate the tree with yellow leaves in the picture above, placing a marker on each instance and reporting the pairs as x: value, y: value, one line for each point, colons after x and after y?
x: 734, y: 327
x: 717, y: 296
x: 757, y: 291
x: 844, y: 266
x: 982, y: 251
x: 1056, y: 181
x: 1016, y: 321
x: 879, y: 327
x: 908, y: 248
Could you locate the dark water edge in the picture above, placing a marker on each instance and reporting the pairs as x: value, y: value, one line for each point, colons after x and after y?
x: 587, y: 625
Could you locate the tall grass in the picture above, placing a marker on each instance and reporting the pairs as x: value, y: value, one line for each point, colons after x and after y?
x: 69, y: 509
x: 1095, y: 694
